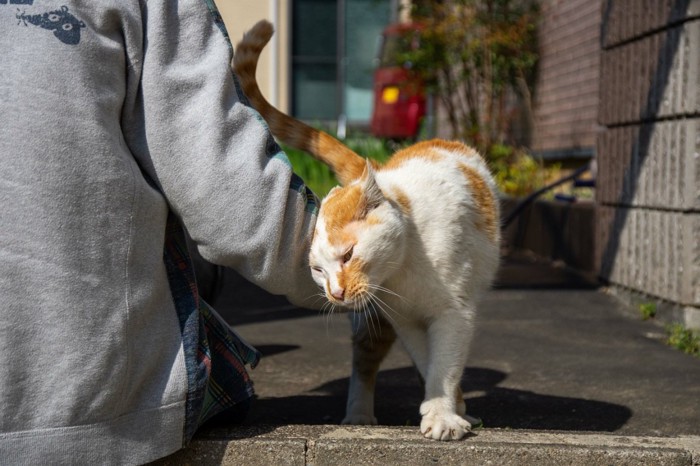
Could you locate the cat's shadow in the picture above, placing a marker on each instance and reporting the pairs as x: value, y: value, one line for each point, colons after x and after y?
x: 398, y: 397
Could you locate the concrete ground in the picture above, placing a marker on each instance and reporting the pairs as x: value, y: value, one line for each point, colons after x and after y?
x: 559, y: 371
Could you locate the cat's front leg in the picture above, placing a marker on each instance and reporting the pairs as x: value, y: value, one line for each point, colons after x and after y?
x: 370, y: 344
x: 448, y: 342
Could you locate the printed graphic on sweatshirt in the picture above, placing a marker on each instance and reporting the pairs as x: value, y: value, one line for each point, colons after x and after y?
x: 64, y: 25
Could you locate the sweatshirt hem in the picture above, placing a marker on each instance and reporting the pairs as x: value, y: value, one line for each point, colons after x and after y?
x: 135, y: 438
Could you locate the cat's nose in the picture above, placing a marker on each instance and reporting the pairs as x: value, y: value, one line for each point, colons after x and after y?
x: 338, y: 294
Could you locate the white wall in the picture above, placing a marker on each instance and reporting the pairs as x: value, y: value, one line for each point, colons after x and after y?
x: 273, y: 69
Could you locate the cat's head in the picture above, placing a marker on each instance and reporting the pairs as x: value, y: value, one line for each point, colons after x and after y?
x: 358, y: 242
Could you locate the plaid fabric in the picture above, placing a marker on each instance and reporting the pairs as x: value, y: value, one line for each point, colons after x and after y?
x: 229, y: 383
x: 215, y: 356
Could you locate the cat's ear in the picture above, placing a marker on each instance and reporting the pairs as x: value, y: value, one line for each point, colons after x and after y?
x: 372, y: 196
x: 333, y: 190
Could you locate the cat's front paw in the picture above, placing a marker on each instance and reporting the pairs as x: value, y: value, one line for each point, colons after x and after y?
x: 444, y: 426
x: 359, y: 420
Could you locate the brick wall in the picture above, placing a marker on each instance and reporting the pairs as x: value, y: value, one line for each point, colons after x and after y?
x: 648, y: 193
x: 565, y: 103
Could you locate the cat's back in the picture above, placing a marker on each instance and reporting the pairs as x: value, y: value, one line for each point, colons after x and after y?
x: 444, y: 183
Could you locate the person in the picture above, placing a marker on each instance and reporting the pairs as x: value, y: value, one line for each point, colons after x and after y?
x: 122, y: 127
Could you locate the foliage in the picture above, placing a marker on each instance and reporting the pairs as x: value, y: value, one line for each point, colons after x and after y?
x: 647, y: 310
x: 318, y: 177
x: 683, y: 339
x: 474, y: 55
x: 372, y: 148
x: 518, y: 173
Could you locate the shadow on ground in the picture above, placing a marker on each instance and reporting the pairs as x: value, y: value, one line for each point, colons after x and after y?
x: 551, y: 353
x: 523, y: 272
x: 399, y: 396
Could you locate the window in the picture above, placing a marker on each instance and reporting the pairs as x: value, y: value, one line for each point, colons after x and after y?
x: 334, y: 44
x: 314, y: 59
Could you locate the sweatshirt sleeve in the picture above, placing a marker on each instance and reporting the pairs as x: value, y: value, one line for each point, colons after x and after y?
x: 213, y: 156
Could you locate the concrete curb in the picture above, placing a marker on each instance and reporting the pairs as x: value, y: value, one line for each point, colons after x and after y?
x: 336, y: 445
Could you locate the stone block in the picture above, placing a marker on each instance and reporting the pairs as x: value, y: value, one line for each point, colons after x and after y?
x: 656, y: 76
x: 625, y: 20
x: 250, y: 452
x: 653, y: 252
x: 335, y: 452
x: 655, y: 165
x: 679, y: 53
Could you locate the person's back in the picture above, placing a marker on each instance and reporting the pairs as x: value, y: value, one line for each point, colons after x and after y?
x: 108, y: 109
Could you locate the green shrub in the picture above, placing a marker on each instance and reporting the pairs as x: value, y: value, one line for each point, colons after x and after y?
x: 647, y: 310
x: 683, y: 339
x: 517, y: 173
x: 318, y: 177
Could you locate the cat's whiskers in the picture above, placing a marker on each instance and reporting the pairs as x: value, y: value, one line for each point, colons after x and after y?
x: 375, y: 312
x: 322, y: 296
x: 370, y: 324
x: 319, y: 297
x: 328, y: 309
x: 378, y: 305
x: 387, y: 291
x: 366, y: 310
x: 384, y: 304
x: 328, y: 305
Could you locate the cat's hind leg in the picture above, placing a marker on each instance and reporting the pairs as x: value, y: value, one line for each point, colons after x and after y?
x: 371, y: 341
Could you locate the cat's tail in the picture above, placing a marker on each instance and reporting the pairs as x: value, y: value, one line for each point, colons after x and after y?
x: 346, y: 164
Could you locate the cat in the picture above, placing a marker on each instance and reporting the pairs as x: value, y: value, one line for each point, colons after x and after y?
x: 409, y: 246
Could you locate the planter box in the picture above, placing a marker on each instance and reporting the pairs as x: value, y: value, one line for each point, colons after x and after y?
x: 554, y: 230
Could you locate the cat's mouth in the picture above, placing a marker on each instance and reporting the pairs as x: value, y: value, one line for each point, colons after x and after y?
x: 356, y: 302
x: 346, y: 304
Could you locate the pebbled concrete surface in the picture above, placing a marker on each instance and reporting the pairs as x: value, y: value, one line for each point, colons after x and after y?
x: 336, y: 445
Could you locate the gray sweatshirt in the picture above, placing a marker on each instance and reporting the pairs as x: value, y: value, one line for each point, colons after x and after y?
x: 92, y: 94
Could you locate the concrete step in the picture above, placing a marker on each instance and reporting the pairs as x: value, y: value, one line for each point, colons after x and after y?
x: 344, y: 445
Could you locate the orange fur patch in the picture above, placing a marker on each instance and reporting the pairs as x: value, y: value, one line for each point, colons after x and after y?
x: 352, y: 278
x: 456, y: 147
x: 402, y: 200
x: 417, y: 151
x: 339, y: 209
x: 373, y: 219
x: 430, y: 151
x: 485, y: 203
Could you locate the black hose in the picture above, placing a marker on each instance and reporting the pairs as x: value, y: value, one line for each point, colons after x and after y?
x: 529, y: 199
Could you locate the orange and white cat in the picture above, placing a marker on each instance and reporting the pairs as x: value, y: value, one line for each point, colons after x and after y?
x: 409, y: 245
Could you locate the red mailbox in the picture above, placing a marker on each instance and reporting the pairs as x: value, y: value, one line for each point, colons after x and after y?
x: 399, y: 97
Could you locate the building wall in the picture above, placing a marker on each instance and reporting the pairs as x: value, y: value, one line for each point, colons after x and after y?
x: 306, y: 89
x: 648, y: 193
x: 273, y: 69
x: 565, y: 103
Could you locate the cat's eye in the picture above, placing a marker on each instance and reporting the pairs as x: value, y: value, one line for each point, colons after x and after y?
x: 348, y: 254
x: 316, y: 268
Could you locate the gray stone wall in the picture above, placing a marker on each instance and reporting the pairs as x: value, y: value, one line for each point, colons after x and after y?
x: 648, y: 151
